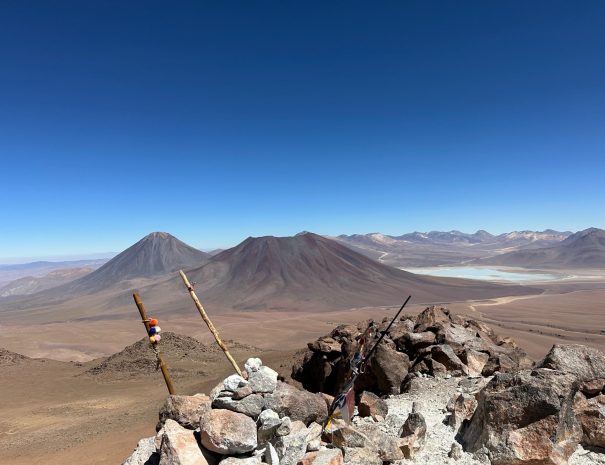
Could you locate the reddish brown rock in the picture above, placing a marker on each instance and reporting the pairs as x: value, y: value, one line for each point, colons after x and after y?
x: 185, y: 410
x: 525, y: 418
x: 432, y: 317
x: 297, y: 404
x: 371, y: 405
x: 323, y: 457
x: 591, y: 415
x: 412, y: 435
x: 593, y: 387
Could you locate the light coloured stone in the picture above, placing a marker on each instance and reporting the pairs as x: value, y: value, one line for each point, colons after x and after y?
x: 180, y: 447
x: 251, y: 405
x: 144, y: 454
x: 227, y: 432
x: 252, y: 365
x: 234, y: 382
x: 323, y: 457
x: 263, y: 380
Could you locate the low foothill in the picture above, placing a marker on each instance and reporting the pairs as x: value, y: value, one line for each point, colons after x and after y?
x: 440, y: 388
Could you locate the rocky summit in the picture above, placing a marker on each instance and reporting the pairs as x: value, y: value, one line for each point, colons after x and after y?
x: 440, y: 389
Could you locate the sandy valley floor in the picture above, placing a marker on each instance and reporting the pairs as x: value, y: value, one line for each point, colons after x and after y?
x: 53, y: 414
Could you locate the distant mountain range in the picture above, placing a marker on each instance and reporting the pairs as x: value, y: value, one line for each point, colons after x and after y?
x: 312, y: 272
x: 584, y: 249
x: 9, y: 273
x: 306, y: 271
x: 435, y: 248
x: 31, y: 285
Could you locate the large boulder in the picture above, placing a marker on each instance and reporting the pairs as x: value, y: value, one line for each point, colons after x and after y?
x: 386, y: 370
x: 525, y: 418
x: 179, y: 446
x: 227, y: 432
x: 584, y: 362
x: 300, y: 405
x: 185, y: 410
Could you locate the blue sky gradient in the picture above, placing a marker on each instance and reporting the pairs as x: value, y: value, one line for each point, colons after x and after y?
x: 220, y: 120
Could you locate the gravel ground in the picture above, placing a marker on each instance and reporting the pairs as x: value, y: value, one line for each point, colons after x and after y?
x: 432, y: 397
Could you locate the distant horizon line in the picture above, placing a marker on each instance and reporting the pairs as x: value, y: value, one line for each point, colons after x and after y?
x: 14, y: 260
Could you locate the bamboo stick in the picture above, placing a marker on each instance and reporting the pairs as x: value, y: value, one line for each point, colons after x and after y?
x: 211, y: 327
x: 163, y: 367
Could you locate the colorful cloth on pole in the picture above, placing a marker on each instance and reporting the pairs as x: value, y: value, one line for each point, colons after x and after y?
x: 154, y: 331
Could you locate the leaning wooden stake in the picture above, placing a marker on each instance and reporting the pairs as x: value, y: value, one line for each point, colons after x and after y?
x: 163, y: 366
x: 211, y: 327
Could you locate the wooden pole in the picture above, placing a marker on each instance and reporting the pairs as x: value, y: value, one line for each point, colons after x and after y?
x: 211, y: 327
x: 163, y: 366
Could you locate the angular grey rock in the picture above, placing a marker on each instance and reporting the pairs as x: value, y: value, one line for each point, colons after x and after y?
x: 144, y: 454
x: 292, y: 448
x: 584, y: 362
x: 227, y: 432
x: 269, y: 422
x: 263, y: 380
x: 300, y: 405
x: 234, y: 382
x: 252, y: 365
x: 186, y: 410
x: 270, y: 456
x: 285, y: 428
x: 251, y: 405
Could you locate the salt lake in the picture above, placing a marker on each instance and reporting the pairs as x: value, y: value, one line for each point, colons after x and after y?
x: 485, y: 274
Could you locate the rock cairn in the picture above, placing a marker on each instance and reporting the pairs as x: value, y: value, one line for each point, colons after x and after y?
x: 442, y: 390
x: 242, y: 422
x: 435, y: 343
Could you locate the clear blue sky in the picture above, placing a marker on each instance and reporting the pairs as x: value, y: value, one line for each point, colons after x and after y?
x: 219, y: 120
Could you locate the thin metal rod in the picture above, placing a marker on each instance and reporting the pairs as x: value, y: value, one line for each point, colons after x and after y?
x: 386, y: 331
x: 211, y: 327
x: 163, y: 367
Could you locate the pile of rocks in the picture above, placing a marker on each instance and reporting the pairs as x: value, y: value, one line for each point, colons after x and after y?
x: 242, y: 422
x: 435, y: 343
x: 470, y: 397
